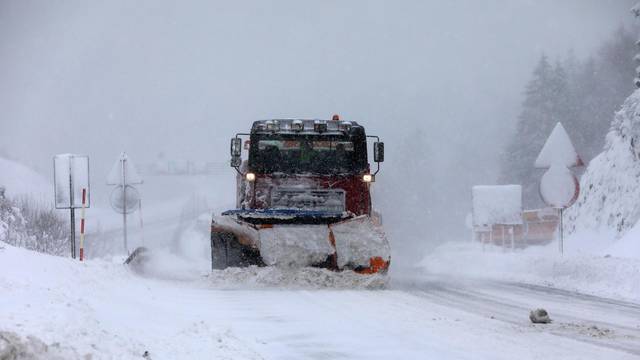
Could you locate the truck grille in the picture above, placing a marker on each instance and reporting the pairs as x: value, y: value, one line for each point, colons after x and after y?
x: 307, y: 199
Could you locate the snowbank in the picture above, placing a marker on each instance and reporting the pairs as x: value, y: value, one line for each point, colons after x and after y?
x: 610, y: 187
x: 20, y: 180
x: 608, y: 276
x: 58, y: 308
x: 41, y: 292
x: 15, y: 347
x: 628, y: 245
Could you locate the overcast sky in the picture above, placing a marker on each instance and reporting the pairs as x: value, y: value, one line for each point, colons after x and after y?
x: 182, y: 77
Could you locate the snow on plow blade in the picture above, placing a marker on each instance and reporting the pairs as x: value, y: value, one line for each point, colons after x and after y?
x: 361, y: 245
x: 357, y: 243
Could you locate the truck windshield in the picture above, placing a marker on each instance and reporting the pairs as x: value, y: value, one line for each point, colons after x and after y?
x: 311, y: 154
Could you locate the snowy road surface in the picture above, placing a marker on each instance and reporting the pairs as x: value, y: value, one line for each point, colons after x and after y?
x: 103, y: 309
x: 174, y: 312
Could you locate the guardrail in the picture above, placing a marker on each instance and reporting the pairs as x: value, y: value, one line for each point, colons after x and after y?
x: 539, y: 227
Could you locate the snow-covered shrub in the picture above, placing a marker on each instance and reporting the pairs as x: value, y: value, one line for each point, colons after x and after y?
x: 11, y: 223
x: 34, y: 225
x: 610, y: 187
x: 46, y: 225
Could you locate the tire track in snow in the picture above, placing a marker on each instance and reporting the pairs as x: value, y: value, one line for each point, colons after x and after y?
x: 496, y: 301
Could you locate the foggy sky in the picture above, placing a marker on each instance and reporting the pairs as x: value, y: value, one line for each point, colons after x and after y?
x: 183, y: 77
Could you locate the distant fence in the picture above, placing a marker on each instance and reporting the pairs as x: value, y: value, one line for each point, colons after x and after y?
x: 538, y: 228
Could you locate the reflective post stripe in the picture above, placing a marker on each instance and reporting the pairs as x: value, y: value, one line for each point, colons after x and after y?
x: 84, y: 203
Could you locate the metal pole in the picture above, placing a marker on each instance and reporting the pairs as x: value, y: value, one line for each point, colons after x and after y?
x: 73, y: 233
x: 124, y: 204
x: 73, y: 213
x: 141, y: 222
x: 512, y: 233
x: 561, y: 232
x: 491, y: 235
x: 483, y: 237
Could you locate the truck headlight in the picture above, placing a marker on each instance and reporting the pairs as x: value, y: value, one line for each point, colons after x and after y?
x: 368, y: 178
x: 250, y: 176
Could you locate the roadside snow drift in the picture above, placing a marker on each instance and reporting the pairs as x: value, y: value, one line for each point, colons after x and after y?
x: 607, y: 276
x: 16, y: 347
x: 57, y: 308
x: 610, y: 187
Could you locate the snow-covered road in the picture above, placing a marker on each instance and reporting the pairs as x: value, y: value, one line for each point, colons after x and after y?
x: 104, y: 309
x: 588, y: 319
x: 179, y: 310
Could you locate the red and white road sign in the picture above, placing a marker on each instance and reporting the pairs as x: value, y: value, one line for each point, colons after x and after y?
x: 559, y: 188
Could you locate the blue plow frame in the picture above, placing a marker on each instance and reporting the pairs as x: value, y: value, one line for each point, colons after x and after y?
x: 288, y: 214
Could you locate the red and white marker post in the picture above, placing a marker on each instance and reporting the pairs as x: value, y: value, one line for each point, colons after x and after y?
x: 84, y: 204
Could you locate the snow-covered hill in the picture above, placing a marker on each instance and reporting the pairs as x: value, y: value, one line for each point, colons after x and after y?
x: 19, y: 180
x: 610, y: 188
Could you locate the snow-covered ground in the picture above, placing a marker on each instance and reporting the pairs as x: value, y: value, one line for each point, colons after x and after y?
x: 177, y: 308
x: 103, y: 309
x: 601, y: 275
x: 460, y: 303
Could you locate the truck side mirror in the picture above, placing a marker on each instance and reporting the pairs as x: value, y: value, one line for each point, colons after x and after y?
x: 378, y: 151
x: 236, y: 147
x: 236, y: 152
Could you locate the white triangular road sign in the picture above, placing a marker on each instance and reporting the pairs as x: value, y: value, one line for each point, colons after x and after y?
x: 558, y: 150
x: 131, y: 175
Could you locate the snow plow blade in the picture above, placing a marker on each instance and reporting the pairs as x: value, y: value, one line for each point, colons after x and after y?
x: 299, y: 239
x: 138, y: 257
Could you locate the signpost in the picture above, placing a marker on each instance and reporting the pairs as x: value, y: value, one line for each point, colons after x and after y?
x: 125, y: 198
x: 559, y: 187
x: 71, y: 187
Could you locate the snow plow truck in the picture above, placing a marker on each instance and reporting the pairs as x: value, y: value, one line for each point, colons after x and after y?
x: 303, y: 199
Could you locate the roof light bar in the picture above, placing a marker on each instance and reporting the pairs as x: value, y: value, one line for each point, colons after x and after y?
x: 273, y: 125
x: 319, y: 126
x: 344, y: 125
x: 297, y: 125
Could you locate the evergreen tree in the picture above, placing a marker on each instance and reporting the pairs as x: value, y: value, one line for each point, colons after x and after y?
x: 546, y: 103
x: 599, y: 88
x: 593, y: 112
x: 616, y: 66
x: 581, y: 95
